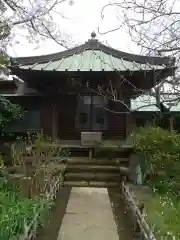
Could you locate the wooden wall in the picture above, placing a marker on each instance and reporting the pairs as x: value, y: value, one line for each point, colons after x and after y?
x: 46, y: 118
x: 116, y: 121
x: 66, y: 116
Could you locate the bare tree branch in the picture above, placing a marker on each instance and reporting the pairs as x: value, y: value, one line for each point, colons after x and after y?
x: 34, y: 18
x: 154, y: 25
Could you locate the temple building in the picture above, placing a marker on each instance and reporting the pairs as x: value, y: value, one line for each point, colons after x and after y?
x: 89, y: 88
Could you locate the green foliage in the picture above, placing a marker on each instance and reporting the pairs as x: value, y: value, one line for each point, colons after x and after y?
x: 45, y: 146
x: 9, y: 112
x: 6, y: 183
x: 1, y: 162
x: 161, y: 152
x: 103, y: 150
x: 4, y: 30
x: 15, y: 211
x: 3, y: 61
x: 163, y: 215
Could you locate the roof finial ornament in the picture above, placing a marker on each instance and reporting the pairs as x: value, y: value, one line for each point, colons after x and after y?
x: 93, y: 35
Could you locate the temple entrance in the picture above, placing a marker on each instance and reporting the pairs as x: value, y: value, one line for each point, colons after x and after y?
x: 90, y: 113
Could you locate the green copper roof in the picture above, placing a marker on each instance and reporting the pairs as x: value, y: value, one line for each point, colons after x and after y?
x: 92, y: 56
x: 91, y: 60
x: 144, y: 103
x: 148, y: 103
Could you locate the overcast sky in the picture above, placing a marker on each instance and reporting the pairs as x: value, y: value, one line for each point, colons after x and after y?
x: 84, y: 18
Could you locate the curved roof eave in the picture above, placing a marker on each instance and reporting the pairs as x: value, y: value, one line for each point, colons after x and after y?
x: 94, y: 44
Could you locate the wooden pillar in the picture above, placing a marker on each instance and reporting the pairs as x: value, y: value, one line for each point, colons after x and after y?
x: 54, y: 121
x: 154, y: 120
x: 171, y: 123
x: 130, y: 125
x: 91, y: 112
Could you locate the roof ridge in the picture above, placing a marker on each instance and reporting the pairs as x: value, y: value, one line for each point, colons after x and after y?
x: 94, y: 44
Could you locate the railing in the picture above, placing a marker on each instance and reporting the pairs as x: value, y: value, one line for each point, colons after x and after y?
x: 142, y: 227
x: 51, y: 189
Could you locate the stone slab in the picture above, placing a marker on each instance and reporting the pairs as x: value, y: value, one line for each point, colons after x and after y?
x: 88, y: 216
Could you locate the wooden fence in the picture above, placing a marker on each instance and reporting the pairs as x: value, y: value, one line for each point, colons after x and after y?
x: 143, y: 230
x: 51, y: 189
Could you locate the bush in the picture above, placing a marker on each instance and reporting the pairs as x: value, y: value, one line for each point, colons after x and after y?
x: 161, y: 156
x: 9, y: 112
x: 161, y: 153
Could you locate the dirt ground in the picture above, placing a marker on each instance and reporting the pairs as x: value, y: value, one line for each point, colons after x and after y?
x: 124, y: 226
x: 122, y: 219
x: 51, y: 228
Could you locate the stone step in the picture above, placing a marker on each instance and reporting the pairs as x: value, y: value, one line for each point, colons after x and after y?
x: 97, y: 184
x: 89, y: 176
x: 95, y: 161
x: 97, y: 168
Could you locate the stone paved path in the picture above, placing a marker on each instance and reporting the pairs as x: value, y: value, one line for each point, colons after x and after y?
x: 88, y: 216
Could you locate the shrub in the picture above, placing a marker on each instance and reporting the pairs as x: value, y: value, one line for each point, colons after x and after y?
x: 161, y: 153
x: 9, y: 112
x: 161, y: 156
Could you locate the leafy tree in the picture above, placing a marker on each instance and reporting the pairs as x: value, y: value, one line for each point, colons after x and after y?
x: 8, y: 112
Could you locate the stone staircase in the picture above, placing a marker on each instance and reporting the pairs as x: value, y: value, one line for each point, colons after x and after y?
x: 82, y: 172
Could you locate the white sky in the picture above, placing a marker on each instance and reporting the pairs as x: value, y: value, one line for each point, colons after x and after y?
x: 84, y: 18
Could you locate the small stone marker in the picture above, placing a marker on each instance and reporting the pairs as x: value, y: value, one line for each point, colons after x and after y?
x: 136, y: 174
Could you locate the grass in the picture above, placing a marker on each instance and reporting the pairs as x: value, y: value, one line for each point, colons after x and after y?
x: 15, y: 210
x: 163, y: 215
